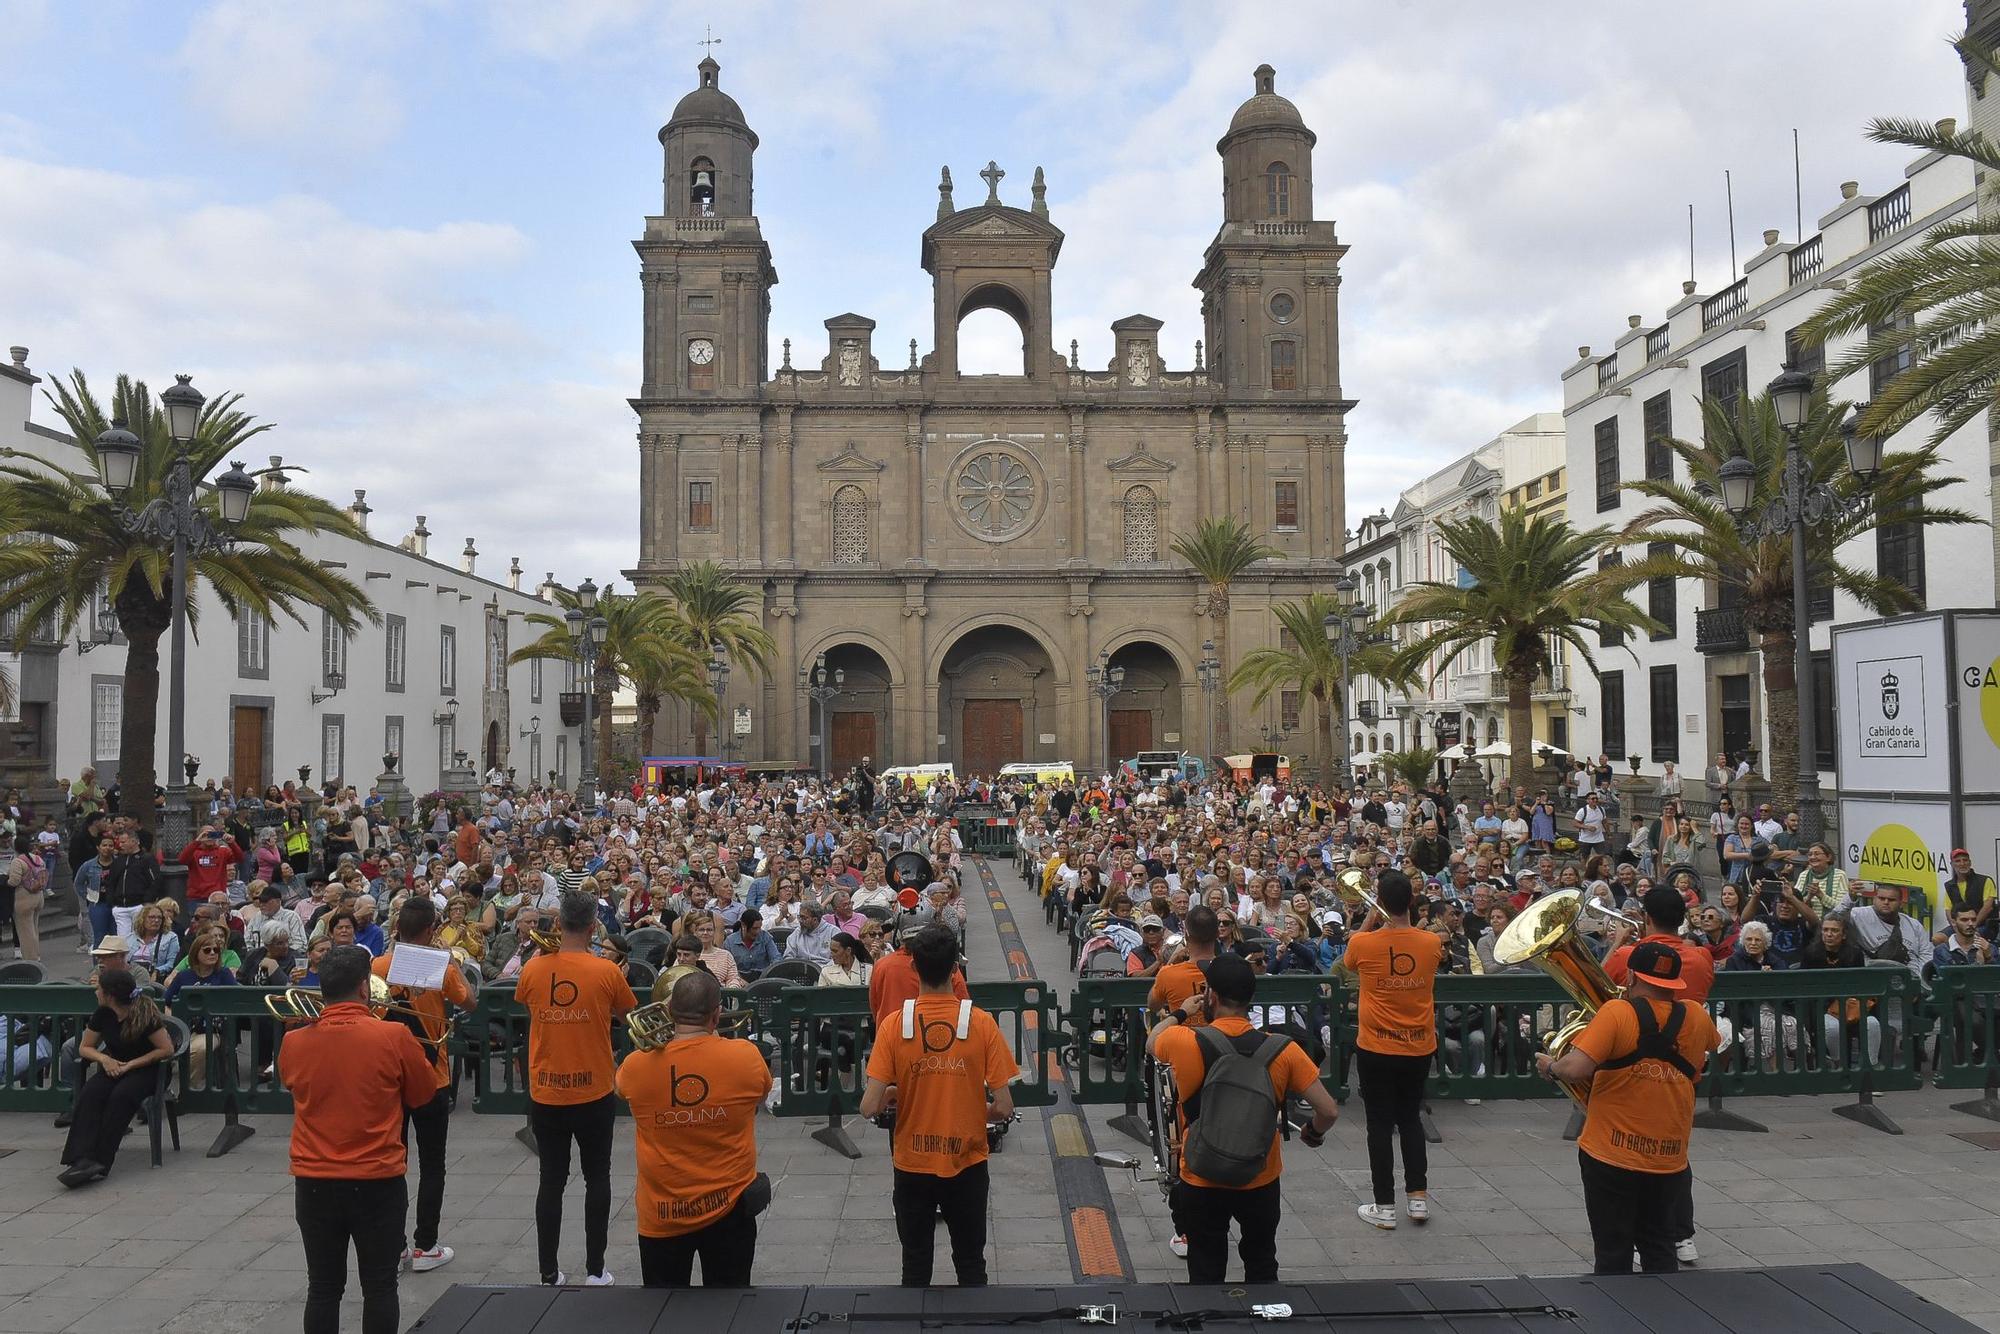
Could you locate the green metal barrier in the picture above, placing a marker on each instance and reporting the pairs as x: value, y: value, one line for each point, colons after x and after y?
x: 1489, y: 1029
x: 1966, y: 1002
x: 39, y: 1019
x: 234, y: 1080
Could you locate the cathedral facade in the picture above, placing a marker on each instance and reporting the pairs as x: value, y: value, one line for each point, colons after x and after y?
x: 961, y: 551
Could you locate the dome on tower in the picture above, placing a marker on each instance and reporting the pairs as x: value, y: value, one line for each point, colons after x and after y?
x: 709, y: 104
x: 1266, y: 110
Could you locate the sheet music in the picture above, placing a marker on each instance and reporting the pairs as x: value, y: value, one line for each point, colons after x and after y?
x: 418, y: 966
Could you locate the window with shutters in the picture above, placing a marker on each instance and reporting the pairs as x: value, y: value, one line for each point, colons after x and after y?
x: 1659, y: 412
x: 395, y: 641
x: 534, y: 680
x: 850, y: 526
x: 332, y: 652
x: 253, y: 644
x: 1278, y: 190
x: 1723, y: 381
x: 447, y: 659
x: 1612, y: 704
x: 1609, y: 636
x: 1664, y: 686
x: 1804, y: 355
x: 1896, y: 360
x: 1142, y: 525
x: 107, y: 719
x: 1823, y: 733
x: 392, y: 737
x: 1285, y: 504
x: 1288, y: 710
x: 1284, y: 364
x: 1607, y: 464
x: 333, y: 748
x: 701, y: 506
x: 562, y: 761
x: 1899, y: 555
x: 1660, y: 594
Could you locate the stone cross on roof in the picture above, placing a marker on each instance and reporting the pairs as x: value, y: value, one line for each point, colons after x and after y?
x: 992, y: 176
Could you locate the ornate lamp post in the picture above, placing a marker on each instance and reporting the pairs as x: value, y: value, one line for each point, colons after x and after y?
x: 1209, y: 673
x: 176, y: 520
x: 1105, y: 681
x: 1801, y: 501
x: 815, y: 684
x: 1346, y: 630
x: 587, y: 632
x: 718, y: 682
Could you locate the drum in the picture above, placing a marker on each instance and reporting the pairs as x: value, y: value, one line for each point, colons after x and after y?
x: 910, y: 870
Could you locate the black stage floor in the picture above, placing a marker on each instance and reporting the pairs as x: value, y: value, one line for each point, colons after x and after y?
x: 1803, y: 1299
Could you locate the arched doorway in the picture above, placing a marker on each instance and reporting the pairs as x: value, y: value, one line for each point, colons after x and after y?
x: 494, y: 755
x: 1146, y: 711
x: 857, y: 719
x: 996, y: 699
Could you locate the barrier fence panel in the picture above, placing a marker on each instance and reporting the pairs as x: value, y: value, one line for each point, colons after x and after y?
x: 1966, y: 1002
x: 39, y: 1019
x: 1816, y: 1030
x: 1032, y: 1024
x: 1107, y: 1040
x: 1489, y: 1029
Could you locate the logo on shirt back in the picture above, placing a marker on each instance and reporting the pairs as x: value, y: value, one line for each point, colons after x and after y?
x: 687, y: 1096
x: 563, y: 1007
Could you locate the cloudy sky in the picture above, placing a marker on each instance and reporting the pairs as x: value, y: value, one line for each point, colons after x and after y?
x: 401, y: 228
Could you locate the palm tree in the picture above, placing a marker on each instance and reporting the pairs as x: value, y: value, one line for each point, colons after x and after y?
x: 1938, y: 293
x: 715, y: 613
x: 685, y: 680
x: 1414, y: 766
x: 1310, y: 663
x: 1220, y: 549
x: 1705, y: 543
x: 640, y: 647
x: 67, y: 546
x: 1523, y: 587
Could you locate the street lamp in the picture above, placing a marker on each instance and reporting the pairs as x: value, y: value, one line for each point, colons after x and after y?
x: 814, y: 683
x: 1801, y: 501
x: 1105, y: 681
x: 718, y: 682
x: 587, y: 634
x: 1209, y: 672
x: 1346, y: 632
x: 175, y: 519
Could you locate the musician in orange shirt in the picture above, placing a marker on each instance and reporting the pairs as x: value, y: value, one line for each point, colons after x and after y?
x: 572, y: 998
x: 1641, y: 1055
x: 351, y: 1076
x: 893, y: 980
x: 416, y: 925
x: 1395, y: 965
x: 694, y: 1112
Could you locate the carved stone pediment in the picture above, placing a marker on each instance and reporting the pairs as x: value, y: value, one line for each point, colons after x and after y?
x: 1141, y: 462
x: 851, y: 460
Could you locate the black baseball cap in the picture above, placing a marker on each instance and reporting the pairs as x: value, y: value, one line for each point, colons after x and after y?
x: 1659, y: 965
x: 1230, y: 979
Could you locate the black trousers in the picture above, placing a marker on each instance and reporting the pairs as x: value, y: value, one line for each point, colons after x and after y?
x: 430, y: 1121
x: 1392, y: 1091
x: 727, y: 1248
x: 590, y: 1125
x: 370, y: 1215
x: 104, y: 1112
x: 1683, y: 1228
x: 1208, y: 1211
x: 1631, y: 1210
x: 919, y: 1198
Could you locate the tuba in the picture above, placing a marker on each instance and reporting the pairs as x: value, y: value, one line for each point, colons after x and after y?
x: 1546, y: 935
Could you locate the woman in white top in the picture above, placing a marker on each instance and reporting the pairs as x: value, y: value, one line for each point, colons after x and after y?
x: 850, y: 966
x: 1515, y: 827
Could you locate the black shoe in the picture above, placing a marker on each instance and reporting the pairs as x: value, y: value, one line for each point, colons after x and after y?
x: 79, y: 1172
x: 63, y: 1120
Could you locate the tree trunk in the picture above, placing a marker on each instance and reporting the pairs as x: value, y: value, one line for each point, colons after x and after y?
x: 699, y: 716
x: 1327, y: 752
x: 142, y: 618
x: 1520, y: 727
x: 1781, y: 714
x: 1218, y: 611
x: 649, y: 713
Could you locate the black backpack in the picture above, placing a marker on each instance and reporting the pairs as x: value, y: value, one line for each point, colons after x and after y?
x: 1233, y: 1116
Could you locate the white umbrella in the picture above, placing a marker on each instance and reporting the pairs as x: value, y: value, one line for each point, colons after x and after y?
x: 1493, y: 750
x: 1459, y: 752
x: 1552, y: 749
x: 1365, y: 758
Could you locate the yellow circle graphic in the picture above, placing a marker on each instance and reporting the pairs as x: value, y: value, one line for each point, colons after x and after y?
x: 1895, y: 855
x: 1989, y: 701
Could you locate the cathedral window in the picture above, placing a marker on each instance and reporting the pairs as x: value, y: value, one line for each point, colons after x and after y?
x: 1278, y: 190
x: 1285, y: 504
x: 1142, y: 524
x: 701, y: 506
x: 850, y: 526
x: 1284, y: 364
x: 701, y: 187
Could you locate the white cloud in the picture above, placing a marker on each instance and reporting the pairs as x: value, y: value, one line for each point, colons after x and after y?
x: 308, y: 76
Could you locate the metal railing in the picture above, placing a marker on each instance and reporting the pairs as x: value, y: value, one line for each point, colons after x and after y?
x: 1804, y: 260
x: 1607, y: 371
x: 1889, y: 214
x: 1720, y: 630
x: 1726, y: 305
x: 1657, y: 341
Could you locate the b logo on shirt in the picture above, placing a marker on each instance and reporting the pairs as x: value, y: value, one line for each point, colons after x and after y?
x: 561, y: 994
x: 1400, y: 964
x: 676, y: 1081
x: 934, y: 1042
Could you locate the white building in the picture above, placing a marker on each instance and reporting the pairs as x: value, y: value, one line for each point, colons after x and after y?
x: 267, y: 698
x: 1522, y: 466
x: 1693, y: 689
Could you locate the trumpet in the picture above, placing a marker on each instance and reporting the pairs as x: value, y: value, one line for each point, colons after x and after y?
x: 651, y: 1027
x: 299, y: 1005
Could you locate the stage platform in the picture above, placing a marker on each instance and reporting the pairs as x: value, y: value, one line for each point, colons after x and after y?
x: 1803, y: 1299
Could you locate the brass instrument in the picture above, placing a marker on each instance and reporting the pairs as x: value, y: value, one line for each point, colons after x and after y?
x: 651, y: 1027
x: 1351, y: 888
x: 301, y: 1005
x: 1545, y: 934
x: 548, y: 942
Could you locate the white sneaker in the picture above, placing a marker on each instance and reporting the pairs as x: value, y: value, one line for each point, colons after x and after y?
x: 403, y: 1261
x: 1684, y: 1251
x: 1179, y: 1245
x: 435, y: 1258
x: 603, y: 1280
x: 555, y: 1282
x: 1381, y: 1215
x: 1418, y: 1208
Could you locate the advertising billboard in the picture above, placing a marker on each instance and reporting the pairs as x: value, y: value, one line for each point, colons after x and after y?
x: 1892, y: 696
x: 1905, y: 843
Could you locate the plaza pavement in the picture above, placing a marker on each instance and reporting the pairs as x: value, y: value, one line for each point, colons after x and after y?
x: 209, y: 1246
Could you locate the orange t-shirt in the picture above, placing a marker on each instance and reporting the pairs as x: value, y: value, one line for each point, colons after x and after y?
x: 1397, y: 968
x: 1697, y: 965
x: 571, y: 999
x: 1290, y: 1073
x: 694, y: 1111
x: 351, y: 1075
x: 1174, y: 983
x: 431, y: 1004
x: 941, y: 1084
x: 893, y: 980
x: 1641, y: 1116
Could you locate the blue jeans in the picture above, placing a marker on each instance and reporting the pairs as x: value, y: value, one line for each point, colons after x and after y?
x: 100, y: 922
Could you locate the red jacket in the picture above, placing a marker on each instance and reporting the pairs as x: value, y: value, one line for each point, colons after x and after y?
x: 208, y: 866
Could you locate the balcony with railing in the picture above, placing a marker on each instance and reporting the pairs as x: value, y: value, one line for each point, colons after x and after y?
x: 1889, y: 214
x: 1726, y: 305
x: 1804, y: 260
x: 1720, y: 630
x: 1607, y: 372
x: 1657, y: 341
x: 1478, y: 687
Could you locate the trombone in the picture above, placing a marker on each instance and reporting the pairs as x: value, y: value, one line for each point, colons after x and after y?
x: 301, y: 1005
x: 1351, y: 888
x: 651, y: 1026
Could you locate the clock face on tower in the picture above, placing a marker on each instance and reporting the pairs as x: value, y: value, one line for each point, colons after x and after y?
x: 701, y: 351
